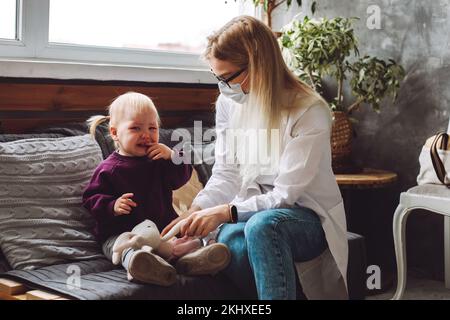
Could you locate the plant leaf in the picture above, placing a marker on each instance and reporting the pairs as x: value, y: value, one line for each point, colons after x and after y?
x: 325, y: 47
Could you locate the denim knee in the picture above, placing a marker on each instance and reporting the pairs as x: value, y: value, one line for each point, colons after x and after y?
x: 229, y: 232
x: 276, y: 222
x: 260, y: 225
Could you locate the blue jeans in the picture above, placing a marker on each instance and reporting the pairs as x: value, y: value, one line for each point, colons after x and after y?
x: 265, y: 248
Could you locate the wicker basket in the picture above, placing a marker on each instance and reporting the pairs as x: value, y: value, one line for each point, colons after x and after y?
x: 341, y: 143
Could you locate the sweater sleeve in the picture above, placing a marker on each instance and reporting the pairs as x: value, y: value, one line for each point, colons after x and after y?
x: 99, y: 196
x: 177, y: 175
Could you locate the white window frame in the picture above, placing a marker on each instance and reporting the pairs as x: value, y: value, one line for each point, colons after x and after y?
x: 33, y: 45
x: 17, y: 47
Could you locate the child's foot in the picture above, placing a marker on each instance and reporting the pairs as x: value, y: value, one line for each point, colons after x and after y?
x: 185, y: 245
x: 148, y: 267
x: 206, y: 260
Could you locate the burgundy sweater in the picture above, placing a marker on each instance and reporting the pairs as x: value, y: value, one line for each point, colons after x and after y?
x: 151, y: 181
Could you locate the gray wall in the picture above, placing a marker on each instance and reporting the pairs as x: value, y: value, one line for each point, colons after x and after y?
x: 416, y: 34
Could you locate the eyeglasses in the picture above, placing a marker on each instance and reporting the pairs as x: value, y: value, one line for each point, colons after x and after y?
x: 230, y: 78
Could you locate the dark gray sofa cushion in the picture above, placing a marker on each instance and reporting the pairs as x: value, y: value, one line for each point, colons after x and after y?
x: 14, y: 137
x: 201, y: 152
x: 101, y: 280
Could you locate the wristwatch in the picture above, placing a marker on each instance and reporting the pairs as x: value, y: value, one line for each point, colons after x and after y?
x: 233, y: 214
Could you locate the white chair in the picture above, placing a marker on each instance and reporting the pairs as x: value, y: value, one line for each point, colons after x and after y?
x: 435, y: 198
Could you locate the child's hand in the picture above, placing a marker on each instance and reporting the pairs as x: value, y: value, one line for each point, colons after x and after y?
x: 124, y: 204
x: 159, y: 150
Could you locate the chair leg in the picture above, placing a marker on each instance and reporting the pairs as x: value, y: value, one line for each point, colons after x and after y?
x: 399, y: 223
x: 447, y: 250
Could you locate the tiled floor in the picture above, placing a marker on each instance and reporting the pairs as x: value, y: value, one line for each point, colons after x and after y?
x: 418, y: 289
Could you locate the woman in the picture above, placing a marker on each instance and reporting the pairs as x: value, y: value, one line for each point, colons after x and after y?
x: 289, y: 211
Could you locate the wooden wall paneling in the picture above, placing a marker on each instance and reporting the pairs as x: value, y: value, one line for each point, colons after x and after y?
x: 48, y: 97
x: 27, y: 125
x: 26, y: 104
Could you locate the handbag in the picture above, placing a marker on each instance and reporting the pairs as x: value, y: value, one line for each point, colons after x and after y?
x: 434, y: 161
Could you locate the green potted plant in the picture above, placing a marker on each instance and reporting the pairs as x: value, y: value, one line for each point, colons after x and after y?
x: 270, y: 5
x: 328, y: 47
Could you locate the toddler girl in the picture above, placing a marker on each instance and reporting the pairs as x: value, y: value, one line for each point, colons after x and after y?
x: 135, y: 183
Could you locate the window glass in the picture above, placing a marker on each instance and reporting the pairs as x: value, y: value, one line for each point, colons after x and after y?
x: 8, y: 25
x: 175, y: 25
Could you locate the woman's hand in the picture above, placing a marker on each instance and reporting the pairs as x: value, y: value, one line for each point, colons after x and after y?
x: 158, y: 151
x: 202, y: 222
x: 124, y: 204
x: 181, y: 217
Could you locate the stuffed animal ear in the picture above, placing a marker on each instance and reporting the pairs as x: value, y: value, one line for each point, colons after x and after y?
x: 116, y: 258
x: 144, y: 226
x: 121, y: 243
x: 173, y: 232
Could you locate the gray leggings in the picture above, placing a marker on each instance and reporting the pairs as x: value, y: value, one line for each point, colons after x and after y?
x: 107, y: 248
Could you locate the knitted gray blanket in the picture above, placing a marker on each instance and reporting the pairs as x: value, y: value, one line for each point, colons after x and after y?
x: 42, y: 221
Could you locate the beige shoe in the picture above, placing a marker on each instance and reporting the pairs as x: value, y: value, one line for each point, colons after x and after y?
x: 206, y: 260
x: 148, y: 267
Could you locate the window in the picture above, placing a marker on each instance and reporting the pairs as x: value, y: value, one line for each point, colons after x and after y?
x: 176, y: 25
x: 8, y: 20
x: 139, y: 32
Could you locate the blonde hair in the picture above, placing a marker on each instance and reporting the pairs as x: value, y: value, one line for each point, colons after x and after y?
x: 248, y: 43
x: 123, y: 105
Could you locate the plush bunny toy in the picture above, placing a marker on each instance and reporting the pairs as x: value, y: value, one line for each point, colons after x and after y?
x: 166, y: 255
x: 145, y: 236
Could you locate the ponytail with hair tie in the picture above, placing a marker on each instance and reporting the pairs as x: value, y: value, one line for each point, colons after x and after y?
x: 94, y: 121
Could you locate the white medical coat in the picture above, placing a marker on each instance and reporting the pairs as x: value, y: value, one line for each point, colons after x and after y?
x: 304, y: 177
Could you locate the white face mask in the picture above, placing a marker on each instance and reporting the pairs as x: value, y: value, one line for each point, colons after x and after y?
x: 234, y: 92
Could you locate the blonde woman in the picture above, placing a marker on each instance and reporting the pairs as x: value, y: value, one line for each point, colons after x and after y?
x: 283, y: 218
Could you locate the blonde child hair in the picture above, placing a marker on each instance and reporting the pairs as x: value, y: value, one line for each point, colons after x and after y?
x: 123, y: 105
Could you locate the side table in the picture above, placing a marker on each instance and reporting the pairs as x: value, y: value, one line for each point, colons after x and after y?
x: 366, y: 179
x: 366, y: 221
